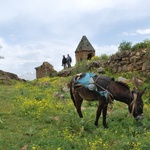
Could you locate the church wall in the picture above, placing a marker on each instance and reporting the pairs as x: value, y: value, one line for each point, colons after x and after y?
x: 83, y: 55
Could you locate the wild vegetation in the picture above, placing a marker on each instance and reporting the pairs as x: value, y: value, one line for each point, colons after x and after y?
x: 125, y: 45
x: 34, y: 116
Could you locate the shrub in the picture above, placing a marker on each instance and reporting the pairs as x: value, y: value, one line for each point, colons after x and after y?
x: 125, y: 46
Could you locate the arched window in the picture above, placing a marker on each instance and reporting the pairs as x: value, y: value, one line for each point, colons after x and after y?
x: 89, y: 56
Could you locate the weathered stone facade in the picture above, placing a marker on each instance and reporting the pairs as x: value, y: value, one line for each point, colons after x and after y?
x: 45, y: 69
x: 84, y: 50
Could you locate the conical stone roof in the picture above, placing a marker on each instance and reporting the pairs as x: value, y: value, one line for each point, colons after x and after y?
x: 84, y: 45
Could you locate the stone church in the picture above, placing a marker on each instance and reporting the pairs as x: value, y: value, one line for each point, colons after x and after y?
x: 84, y: 50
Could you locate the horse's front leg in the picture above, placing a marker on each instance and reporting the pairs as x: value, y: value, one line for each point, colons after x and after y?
x: 98, y: 113
x: 104, y: 115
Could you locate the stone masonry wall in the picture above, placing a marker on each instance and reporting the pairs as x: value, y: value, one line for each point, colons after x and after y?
x: 127, y: 61
x: 83, y: 55
x: 44, y: 70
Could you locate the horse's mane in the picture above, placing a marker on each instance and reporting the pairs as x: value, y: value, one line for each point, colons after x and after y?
x: 123, y: 84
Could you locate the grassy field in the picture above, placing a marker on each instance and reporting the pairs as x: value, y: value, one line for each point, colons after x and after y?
x: 33, y: 117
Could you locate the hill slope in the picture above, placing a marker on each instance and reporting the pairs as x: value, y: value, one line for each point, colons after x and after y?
x: 35, y: 115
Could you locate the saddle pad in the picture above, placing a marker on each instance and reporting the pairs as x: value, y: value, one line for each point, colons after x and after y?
x: 86, y: 79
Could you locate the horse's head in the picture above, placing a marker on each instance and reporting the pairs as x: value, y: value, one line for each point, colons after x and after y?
x: 136, y: 106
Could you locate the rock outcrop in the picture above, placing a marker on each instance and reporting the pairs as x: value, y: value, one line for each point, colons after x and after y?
x: 7, y: 77
x: 127, y: 61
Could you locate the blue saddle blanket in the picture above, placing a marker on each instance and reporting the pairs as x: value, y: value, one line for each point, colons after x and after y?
x: 86, y: 79
x: 88, y: 82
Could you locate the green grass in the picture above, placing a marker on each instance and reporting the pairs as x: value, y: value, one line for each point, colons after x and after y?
x: 32, y: 117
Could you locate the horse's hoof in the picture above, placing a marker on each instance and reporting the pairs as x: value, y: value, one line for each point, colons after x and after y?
x: 96, y: 124
x: 106, y: 127
x: 80, y: 115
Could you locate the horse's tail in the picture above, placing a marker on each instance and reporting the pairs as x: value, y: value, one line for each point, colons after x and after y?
x: 72, y: 90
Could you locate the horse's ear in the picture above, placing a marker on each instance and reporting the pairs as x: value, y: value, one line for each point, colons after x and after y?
x: 142, y: 92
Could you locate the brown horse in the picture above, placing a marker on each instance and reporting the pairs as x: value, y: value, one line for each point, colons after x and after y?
x: 106, y: 89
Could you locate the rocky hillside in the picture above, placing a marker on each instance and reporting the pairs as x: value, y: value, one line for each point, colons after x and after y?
x: 7, y: 77
x: 127, y: 61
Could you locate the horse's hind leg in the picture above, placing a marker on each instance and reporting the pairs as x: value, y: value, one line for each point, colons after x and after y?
x: 104, y: 115
x: 98, y: 113
x: 78, y: 102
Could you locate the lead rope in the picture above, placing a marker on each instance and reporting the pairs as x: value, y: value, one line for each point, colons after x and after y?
x: 102, y: 87
x: 110, y: 96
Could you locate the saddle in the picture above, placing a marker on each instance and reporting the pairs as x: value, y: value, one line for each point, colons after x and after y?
x: 94, y: 82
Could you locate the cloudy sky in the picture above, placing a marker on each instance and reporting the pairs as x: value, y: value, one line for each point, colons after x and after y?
x: 34, y: 31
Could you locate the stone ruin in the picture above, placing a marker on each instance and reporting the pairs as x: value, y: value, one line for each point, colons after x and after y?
x: 46, y: 69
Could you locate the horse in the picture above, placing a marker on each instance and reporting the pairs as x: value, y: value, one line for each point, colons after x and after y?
x: 106, y: 90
